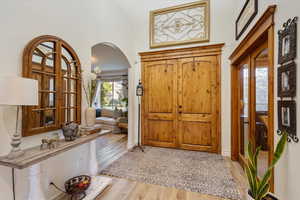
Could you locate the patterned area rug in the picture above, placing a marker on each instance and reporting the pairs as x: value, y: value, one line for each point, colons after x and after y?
x: 200, y: 172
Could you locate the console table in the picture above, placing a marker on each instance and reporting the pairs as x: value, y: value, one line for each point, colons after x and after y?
x: 33, y: 156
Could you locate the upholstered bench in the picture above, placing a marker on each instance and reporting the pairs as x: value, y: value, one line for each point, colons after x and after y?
x: 108, y: 119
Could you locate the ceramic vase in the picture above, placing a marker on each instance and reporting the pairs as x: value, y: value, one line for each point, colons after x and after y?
x: 90, y: 116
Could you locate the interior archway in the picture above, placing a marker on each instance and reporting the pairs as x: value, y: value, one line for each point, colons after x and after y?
x: 111, y: 100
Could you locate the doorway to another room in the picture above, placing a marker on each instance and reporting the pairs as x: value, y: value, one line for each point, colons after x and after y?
x: 252, y: 80
x: 111, y: 101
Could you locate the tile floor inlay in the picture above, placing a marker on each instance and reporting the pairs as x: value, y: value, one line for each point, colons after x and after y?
x: 200, y: 172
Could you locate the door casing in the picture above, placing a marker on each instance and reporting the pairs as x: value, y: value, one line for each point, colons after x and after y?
x: 263, y: 31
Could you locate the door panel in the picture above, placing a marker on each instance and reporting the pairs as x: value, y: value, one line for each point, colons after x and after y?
x: 161, y: 131
x: 160, y: 103
x: 191, y: 134
x: 244, y: 126
x: 161, y: 85
x: 196, y: 82
x: 197, y: 116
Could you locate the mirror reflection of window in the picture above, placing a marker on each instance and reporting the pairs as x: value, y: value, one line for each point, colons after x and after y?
x: 285, y: 81
x: 286, y: 45
x: 262, y: 89
x: 286, y: 116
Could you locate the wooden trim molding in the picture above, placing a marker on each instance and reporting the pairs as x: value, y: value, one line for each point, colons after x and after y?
x: 261, y: 34
x: 214, y: 49
x: 261, y: 27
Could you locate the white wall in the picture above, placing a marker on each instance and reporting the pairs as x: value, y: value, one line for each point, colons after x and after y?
x: 222, y: 31
x: 223, y: 16
x: 82, y: 24
x: 125, y: 24
x: 287, y: 174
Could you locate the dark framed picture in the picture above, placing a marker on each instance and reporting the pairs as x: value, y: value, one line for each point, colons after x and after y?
x: 287, y: 37
x: 287, y: 81
x: 245, y: 17
x: 287, y: 117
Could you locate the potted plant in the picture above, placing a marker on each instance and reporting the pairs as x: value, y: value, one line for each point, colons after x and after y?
x: 259, y: 187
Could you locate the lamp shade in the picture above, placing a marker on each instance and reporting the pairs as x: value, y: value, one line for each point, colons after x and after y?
x: 18, y: 91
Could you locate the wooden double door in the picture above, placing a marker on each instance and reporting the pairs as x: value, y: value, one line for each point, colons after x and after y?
x: 181, y: 103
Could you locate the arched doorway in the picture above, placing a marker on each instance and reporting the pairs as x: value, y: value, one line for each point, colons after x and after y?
x: 111, y: 100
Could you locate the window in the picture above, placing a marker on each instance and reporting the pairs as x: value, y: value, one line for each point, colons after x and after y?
x: 56, y: 66
x: 112, y: 94
x: 261, y: 89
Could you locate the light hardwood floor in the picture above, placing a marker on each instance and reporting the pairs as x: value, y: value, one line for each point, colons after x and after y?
x: 109, y: 148
x: 115, y: 145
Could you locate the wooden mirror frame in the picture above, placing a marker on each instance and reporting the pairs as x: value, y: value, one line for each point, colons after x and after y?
x: 63, y: 96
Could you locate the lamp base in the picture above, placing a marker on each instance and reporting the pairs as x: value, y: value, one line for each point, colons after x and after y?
x: 15, y: 154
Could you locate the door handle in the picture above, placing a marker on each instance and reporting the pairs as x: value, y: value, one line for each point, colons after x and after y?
x: 180, y: 112
x: 180, y: 106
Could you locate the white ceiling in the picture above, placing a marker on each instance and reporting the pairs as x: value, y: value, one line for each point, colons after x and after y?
x: 109, y: 58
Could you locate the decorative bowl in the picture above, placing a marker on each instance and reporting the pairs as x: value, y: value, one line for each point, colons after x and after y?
x: 77, y: 186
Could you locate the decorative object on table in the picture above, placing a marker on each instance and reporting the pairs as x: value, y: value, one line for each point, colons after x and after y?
x: 90, y: 88
x: 287, y: 37
x: 76, y: 187
x: 70, y: 131
x: 287, y: 83
x: 139, y: 94
x: 287, y: 119
x: 88, y: 130
x: 49, y: 143
x: 259, y: 187
x: 184, y: 24
x: 17, y: 91
x: 246, y: 16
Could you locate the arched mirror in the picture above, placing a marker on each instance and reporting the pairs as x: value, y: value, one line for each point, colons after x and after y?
x: 55, y: 65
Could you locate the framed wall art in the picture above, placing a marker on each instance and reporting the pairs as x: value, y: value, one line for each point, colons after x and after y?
x: 287, y: 118
x: 287, y: 83
x: 287, y: 48
x: 184, y: 24
x: 245, y: 17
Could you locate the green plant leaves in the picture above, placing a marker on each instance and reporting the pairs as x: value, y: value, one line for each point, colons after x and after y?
x: 260, y: 188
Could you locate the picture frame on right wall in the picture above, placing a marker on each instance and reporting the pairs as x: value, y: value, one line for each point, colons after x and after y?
x: 287, y: 117
x: 287, y: 48
x: 287, y: 80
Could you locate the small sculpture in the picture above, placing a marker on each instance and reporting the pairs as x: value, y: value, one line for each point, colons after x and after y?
x: 70, y: 131
x: 51, y: 143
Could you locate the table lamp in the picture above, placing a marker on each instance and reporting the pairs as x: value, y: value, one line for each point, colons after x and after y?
x: 17, y: 91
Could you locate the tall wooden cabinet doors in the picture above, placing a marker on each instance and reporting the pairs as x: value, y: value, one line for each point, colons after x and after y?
x: 160, y: 103
x: 181, y: 103
x: 198, y: 104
